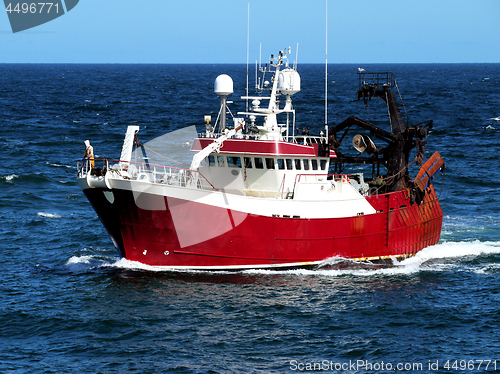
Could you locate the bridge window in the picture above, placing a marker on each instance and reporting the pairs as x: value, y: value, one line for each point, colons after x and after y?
x: 220, y: 161
x: 314, y: 164
x: 297, y: 164
x: 323, y: 164
x: 211, y: 160
x: 234, y: 162
x: 306, y: 164
x: 289, y: 164
x: 248, y: 162
x: 281, y: 164
x: 258, y: 163
x: 270, y: 163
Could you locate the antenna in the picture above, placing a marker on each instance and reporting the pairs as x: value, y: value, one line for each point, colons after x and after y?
x: 296, y: 57
x: 260, y: 56
x: 326, y: 66
x: 256, y: 67
x: 248, y: 48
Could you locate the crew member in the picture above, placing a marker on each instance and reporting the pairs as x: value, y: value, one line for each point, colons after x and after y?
x: 89, y: 153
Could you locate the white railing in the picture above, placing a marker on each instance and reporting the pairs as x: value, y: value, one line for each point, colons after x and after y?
x: 94, y: 167
x: 355, y: 180
x: 298, y: 139
x: 145, y: 172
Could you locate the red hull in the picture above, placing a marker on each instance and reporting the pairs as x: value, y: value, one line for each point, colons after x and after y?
x: 398, y: 229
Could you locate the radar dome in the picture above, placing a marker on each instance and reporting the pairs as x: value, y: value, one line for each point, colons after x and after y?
x: 223, y: 85
x: 289, y: 81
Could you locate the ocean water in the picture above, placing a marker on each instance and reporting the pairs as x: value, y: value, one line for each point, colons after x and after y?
x: 69, y: 304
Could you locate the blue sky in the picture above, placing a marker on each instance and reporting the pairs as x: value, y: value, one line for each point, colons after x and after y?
x: 215, y: 31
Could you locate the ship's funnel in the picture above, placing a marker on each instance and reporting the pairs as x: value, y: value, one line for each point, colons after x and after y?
x: 363, y: 143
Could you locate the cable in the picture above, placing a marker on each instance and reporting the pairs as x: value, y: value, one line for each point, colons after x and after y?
x: 149, y: 149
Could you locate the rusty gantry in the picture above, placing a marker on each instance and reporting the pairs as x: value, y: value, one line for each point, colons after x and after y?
x: 395, y: 156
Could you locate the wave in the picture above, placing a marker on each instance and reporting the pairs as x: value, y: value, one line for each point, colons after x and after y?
x: 48, y: 215
x: 451, y: 250
x: 9, y: 178
x: 60, y: 165
x: 36, y: 178
x: 85, y: 263
x: 435, y: 258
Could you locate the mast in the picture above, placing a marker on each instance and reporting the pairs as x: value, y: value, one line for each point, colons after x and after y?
x: 248, y: 48
x: 326, y: 65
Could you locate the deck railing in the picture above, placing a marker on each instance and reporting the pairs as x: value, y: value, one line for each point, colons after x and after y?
x: 299, y: 139
x: 376, y: 81
x: 145, y: 172
x: 318, y: 178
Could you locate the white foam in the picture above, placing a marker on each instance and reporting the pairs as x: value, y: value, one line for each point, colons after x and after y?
x: 488, y: 269
x: 61, y: 165
x: 134, y: 265
x: 428, y: 259
x: 78, y: 264
x: 78, y: 260
x: 48, y: 215
x: 84, y: 263
x: 495, y: 119
x: 457, y: 249
x: 436, y: 258
x: 9, y: 178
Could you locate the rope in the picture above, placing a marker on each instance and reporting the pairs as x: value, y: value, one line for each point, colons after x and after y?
x: 138, y: 143
x: 402, y: 102
x: 367, y: 111
x: 388, y: 111
x: 442, y: 185
x: 392, y: 177
x: 165, y: 157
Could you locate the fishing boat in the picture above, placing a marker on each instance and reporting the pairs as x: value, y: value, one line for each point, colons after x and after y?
x: 259, y: 194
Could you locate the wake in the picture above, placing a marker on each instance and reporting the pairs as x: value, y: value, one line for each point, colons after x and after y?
x: 441, y: 257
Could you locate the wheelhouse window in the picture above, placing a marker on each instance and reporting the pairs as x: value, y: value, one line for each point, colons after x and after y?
x: 306, y: 164
x: 220, y: 161
x: 314, y: 164
x: 258, y: 163
x: 270, y: 163
x: 323, y: 164
x: 297, y: 164
x: 234, y: 162
x: 289, y: 164
x: 281, y: 164
x: 248, y: 162
x: 211, y: 160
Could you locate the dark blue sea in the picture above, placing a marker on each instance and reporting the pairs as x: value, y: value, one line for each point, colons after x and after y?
x: 69, y: 304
